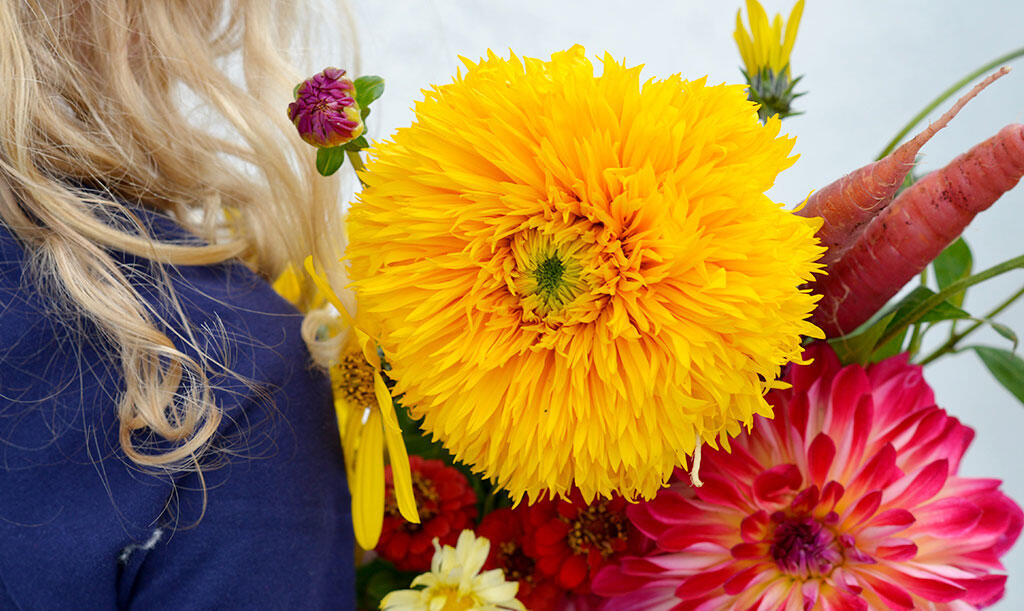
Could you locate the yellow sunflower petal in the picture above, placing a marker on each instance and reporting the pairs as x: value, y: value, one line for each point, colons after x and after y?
x: 368, y: 494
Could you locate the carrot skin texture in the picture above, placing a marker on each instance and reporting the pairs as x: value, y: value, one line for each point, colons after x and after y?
x: 849, y: 204
x: 914, y: 229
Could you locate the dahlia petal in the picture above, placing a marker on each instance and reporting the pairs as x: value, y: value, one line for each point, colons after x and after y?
x: 658, y: 596
x: 926, y: 484
x: 1001, y: 517
x: 894, y: 596
x: 740, y: 581
x: 805, y: 500
x: 704, y: 582
x: 897, y: 553
x: 849, y: 386
x: 775, y: 483
x: 718, y: 491
x: 948, y: 517
x: 985, y: 590
x: 887, y: 523
x: 754, y: 527
x: 809, y: 594
x: 841, y: 600
x: 778, y: 595
x: 831, y: 494
x: 749, y: 550
x: 864, y: 508
x: 878, y: 472
x: 932, y: 588
x: 823, y: 363
x: 667, y: 507
x: 738, y: 464
x: 820, y: 454
x: 679, y: 538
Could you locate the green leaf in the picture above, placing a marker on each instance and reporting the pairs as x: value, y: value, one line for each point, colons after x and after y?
x: 357, y: 145
x: 954, y: 263
x: 368, y: 89
x: 858, y: 346
x: 1005, y: 331
x: 328, y: 160
x: 877, y: 338
x: 921, y: 309
x: 911, y: 305
x: 891, y: 348
x: 1006, y: 367
x: 295, y: 90
x: 364, y: 112
x: 377, y: 578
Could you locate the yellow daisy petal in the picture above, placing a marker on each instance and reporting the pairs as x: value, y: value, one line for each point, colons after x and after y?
x: 368, y: 494
x: 397, y: 455
x: 325, y: 288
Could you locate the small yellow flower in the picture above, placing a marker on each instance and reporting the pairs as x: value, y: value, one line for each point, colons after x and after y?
x: 765, y: 51
x: 455, y: 582
x: 366, y: 416
x: 767, y: 45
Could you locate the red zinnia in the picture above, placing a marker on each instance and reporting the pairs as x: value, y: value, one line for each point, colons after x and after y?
x: 446, y: 505
x: 848, y: 499
x: 505, y: 530
x: 572, y: 540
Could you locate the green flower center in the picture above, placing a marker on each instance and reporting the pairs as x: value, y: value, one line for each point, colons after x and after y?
x: 548, y: 275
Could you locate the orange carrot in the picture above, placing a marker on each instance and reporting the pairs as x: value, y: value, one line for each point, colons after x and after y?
x: 914, y: 229
x: 849, y: 204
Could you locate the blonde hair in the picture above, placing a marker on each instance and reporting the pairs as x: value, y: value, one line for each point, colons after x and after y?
x: 136, y: 98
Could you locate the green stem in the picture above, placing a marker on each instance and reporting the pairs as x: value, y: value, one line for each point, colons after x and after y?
x: 945, y: 95
x: 954, y: 288
x: 916, y: 334
x: 357, y: 163
x: 955, y: 338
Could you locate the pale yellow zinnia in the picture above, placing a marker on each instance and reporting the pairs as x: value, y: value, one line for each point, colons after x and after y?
x: 579, y: 277
x: 455, y: 582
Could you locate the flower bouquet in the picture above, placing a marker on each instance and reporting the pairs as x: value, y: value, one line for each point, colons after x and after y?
x: 589, y: 363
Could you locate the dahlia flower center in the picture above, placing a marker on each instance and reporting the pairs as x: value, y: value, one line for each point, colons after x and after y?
x: 597, y: 529
x: 804, y: 546
x: 354, y: 378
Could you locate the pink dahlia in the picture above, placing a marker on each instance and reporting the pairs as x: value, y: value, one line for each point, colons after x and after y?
x: 325, y: 110
x: 848, y: 499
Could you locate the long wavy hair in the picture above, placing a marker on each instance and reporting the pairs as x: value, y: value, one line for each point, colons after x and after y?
x: 178, y: 106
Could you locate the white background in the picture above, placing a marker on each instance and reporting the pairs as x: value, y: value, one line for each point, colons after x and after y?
x: 869, y: 66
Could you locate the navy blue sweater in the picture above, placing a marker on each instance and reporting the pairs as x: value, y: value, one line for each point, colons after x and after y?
x: 82, y: 527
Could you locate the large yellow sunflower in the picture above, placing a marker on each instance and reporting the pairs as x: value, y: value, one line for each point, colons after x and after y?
x: 576, y: 278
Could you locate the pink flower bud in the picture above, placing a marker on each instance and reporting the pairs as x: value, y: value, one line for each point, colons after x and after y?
x: 325, y: 110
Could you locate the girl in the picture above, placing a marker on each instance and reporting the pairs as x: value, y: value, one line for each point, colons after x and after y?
x: 164, y: 438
